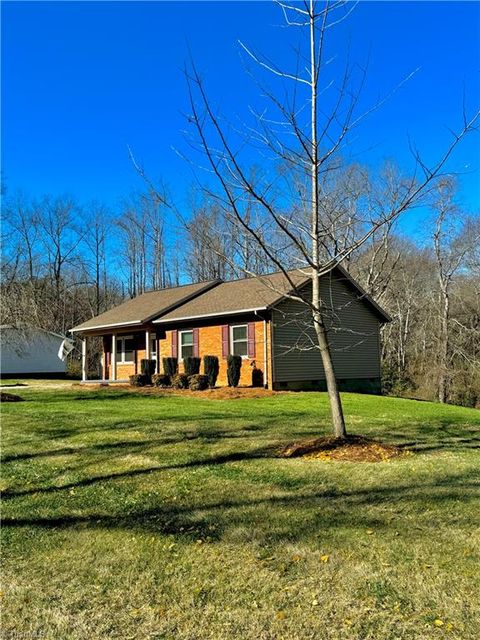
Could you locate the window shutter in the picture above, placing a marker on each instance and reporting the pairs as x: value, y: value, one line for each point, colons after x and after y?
x: 174, y: 343
x: 225, y: 340
x: 195, y: 343
x: 251, y: 339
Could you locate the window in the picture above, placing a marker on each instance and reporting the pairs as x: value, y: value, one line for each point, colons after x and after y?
x: 185, y: 344
x: 125, y: 350
x: 239, y: 340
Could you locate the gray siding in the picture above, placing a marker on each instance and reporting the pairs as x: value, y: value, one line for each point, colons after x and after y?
x: 354, y: 336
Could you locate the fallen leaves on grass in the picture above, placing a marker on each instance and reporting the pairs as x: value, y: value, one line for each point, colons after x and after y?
x: 350, y: 449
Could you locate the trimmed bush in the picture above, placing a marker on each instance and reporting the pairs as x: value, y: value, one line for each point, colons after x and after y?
x: 138, y: 380
x: 234, y: 364
x: 161, y: 380
x: 211, y: 368
x: 191, y: 366
x: 257, y: 377
x: 180, y: 381
x: 170, y: 366
x: 198, y: 382
x: 147, y: 367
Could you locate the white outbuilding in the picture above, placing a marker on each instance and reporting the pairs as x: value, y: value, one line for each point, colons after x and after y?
x: 31, y: 351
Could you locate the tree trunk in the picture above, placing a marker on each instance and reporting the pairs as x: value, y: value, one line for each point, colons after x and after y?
x: 338, y: 420
x: 443, y: 347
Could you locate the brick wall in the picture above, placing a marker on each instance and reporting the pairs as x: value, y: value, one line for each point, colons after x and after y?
x: 210, y: 343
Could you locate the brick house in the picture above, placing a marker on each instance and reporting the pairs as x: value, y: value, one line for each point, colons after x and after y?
x: 256, y: 318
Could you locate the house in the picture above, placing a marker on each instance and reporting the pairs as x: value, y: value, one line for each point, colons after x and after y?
x: 252, y: 317
x: 30, y: 351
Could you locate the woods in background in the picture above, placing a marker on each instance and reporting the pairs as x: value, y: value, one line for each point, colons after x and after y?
x: 64, y: 263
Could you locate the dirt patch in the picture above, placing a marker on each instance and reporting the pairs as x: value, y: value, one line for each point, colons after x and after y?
x: 351, y: 449
x: 9, y: 397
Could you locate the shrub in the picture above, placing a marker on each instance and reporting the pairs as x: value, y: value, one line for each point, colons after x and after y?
x: 74, y: 368
x: 138, y: 380
x: 234, y: 364
x: 191, y: 366
x: 170, y: 366
x: 198, y: 382
x: 180, y: 381
x: 211, y: 368
x: 161, y: 380
x: 257, y: 377
x: 147, y: 367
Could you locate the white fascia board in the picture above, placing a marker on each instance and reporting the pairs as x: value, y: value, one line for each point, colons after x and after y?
x: 107, y: 326
x: 209, y: 315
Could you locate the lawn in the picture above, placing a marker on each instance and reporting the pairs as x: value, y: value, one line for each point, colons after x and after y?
x: 168, y: 517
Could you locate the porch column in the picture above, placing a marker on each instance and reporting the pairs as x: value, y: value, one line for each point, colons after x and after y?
x: 265, y: 355
x: 147, y: 344
x: 113, y: 367
x: 84, y: 359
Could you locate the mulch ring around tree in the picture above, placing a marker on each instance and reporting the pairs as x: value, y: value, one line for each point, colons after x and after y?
x: 9, y: 397
x: 350, y: 449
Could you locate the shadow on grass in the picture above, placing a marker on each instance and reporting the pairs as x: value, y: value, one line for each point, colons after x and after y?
x: 235, y: 456
x: 133, y: 446
x: 443, y: 435
x: 290, y: 516
x: 128, y: 447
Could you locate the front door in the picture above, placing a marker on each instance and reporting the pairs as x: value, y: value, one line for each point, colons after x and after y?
x: 153, y: 351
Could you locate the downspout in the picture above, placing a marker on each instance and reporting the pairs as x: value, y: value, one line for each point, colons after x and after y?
x: 265, y: 352
x: 271, y: 346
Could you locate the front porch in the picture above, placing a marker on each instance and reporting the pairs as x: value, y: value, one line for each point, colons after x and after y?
x: 121, y: 355
x: 104, y: 383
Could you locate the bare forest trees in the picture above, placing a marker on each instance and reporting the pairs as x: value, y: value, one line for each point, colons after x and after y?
x: 54, y: 271
x: 454, y: 238
x: 305, y: 132
x: 209, y: 239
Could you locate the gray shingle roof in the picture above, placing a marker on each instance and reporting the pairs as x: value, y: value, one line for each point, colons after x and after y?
x: 146, y: 306
x: 213, y: 298
x: 246, y: 294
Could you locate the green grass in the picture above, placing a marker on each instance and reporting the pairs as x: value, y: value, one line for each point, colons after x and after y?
x: 128, y: 516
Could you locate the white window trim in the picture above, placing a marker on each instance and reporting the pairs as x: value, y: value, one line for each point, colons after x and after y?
x: 180, y: 358
x: 122, y: 350
x: 231, y: 327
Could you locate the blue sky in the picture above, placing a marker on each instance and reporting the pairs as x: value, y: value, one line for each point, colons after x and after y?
x: 82, y: 80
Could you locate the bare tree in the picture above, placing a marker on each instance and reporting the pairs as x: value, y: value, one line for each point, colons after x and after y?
x: 95, y: 256
x: 142, y: 234
x: 306, y: 146
x: 454, y: 237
